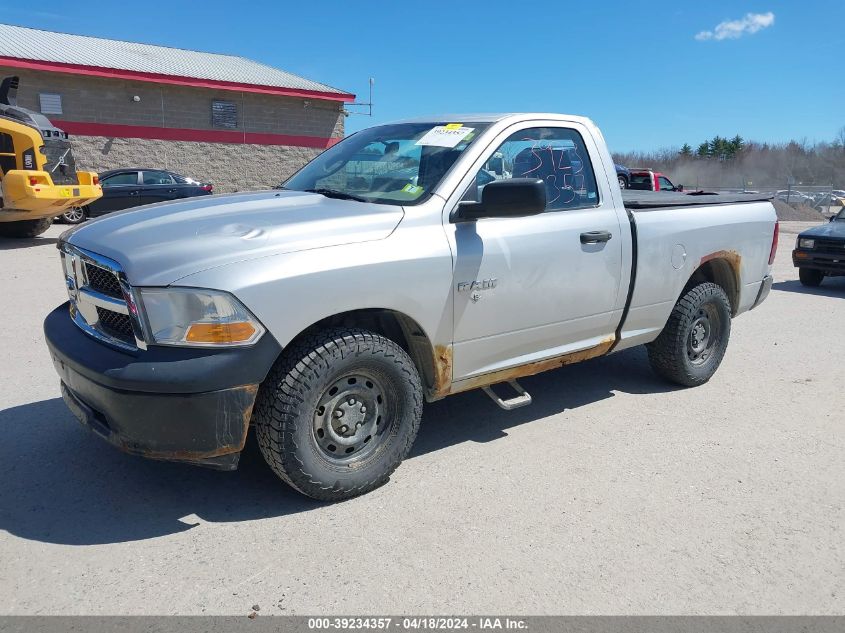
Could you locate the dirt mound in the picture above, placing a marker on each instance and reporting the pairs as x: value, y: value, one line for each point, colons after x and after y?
x: 800, y: 212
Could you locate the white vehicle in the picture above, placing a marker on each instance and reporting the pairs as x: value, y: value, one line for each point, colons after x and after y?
x: 793, y: 197
x: 399, y: 266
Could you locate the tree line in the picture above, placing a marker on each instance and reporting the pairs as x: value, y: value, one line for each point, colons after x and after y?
x: 737, y: 163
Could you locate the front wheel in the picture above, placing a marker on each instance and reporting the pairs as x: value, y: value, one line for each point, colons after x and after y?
x: 810, y: 277
x: 25, y: 228
x: 74, y: 215
x: 623, y: 183
x: 691, y: 346
x: 338, y: 413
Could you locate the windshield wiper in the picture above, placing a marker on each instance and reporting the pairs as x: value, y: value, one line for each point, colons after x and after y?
x: 334, y: 193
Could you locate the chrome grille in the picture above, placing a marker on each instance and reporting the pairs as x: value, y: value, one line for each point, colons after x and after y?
x: 102, y: 302
x: 116, y: 324
x: 103, y: 280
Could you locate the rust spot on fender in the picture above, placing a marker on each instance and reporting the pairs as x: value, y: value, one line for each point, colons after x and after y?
x: 733, y: 258
x: 443, y: 389
x: 442, y: 372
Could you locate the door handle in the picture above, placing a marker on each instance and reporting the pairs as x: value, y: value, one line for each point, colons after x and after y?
x: 594, y: 237
x: 134, y: 193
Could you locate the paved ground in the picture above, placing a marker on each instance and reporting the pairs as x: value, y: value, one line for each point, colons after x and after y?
x: 613, y: 493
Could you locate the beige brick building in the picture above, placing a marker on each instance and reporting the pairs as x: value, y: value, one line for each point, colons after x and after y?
x: 216, y: 118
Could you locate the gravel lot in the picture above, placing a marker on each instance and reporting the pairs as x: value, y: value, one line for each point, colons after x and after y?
x: 614, y: 493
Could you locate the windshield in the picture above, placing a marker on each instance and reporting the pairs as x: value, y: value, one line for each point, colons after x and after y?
x: 840, y: 215
x: 388, y: 164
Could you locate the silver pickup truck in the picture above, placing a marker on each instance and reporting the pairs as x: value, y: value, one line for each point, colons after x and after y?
x: 409, y: 262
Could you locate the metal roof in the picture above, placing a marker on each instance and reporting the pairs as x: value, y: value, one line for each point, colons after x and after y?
x: 78, y: 50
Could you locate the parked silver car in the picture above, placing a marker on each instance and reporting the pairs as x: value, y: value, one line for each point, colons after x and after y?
x: 392, y: 269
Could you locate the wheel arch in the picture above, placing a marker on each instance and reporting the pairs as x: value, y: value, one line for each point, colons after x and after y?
x: 723, y: 269
x: 401, y: 329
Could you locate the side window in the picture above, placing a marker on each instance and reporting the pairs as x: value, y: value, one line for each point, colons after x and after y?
x: 665, y: 184
x: 125, y: 178
x: 157, y: 178
x: 640, y: 181
x: 555, y: 155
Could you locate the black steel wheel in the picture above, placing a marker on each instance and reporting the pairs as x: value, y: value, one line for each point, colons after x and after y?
x: 691, y: 346
x: 339, y: 412
x: 349, y: 419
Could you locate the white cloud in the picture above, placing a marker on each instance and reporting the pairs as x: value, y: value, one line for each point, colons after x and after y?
x: 734, y: 29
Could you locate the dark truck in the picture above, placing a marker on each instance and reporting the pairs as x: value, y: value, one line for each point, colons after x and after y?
x: 820, y: 251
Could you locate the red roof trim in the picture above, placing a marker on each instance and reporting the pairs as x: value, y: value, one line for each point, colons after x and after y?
x: 81, y: 128
x: 134, y: 75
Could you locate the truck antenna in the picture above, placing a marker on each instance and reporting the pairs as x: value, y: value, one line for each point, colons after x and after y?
x: 369, y: 103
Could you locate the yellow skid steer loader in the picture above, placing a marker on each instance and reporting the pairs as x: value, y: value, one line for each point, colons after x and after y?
x: 38, y: 177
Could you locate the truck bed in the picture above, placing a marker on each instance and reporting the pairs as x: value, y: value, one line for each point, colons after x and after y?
x: 635, y: 199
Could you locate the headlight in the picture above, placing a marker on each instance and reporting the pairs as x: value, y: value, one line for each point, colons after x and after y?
x: 198, y: 317
x: 805, y: 243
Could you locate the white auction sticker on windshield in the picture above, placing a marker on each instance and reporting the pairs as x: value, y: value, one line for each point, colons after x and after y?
x: 445, y: 135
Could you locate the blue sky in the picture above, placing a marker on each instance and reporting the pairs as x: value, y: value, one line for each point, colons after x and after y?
x: 637, y: 69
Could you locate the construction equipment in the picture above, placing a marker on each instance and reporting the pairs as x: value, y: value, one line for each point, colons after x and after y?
x: 38, y: 177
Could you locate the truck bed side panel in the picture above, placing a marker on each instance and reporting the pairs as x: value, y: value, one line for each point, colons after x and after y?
x: 674, y: 242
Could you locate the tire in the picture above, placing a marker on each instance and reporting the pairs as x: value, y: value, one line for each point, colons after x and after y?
x: 623, y: 182
x: 371, y: 381
x: 74, y: 215
x: 25, y: 228
x: 810, y: 277
x: 691, y: 346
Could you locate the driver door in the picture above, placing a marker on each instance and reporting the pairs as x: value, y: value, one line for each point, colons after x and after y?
x: 528, y: 288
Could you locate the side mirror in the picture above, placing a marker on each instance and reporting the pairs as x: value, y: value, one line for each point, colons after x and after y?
x: 512, y: 198
x: 679, y: 188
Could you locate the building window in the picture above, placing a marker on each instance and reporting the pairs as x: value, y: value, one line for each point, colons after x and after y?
x: 224, y: 114
x: 51, y: 102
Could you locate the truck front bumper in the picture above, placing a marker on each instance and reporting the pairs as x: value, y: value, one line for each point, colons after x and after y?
x: 178, y: 404
x: 831, y: 263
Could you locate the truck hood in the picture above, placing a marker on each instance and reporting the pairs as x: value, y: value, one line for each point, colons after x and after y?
x: 159, y: 244
x: 835, y: 229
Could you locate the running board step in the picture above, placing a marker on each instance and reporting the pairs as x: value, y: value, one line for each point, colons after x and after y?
x: 522, y: 400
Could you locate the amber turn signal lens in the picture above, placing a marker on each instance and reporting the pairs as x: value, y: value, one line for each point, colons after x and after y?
x: 236, y: 332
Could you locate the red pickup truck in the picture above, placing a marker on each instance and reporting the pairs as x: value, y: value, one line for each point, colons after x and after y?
x: 649, y: 180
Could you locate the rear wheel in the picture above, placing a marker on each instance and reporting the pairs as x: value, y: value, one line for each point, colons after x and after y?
x: 338, y: 413
x: 25, y: 228
x: 690, y: 348
x: 810, y: 277
x: 74, y: 215
x: 623, y: 182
